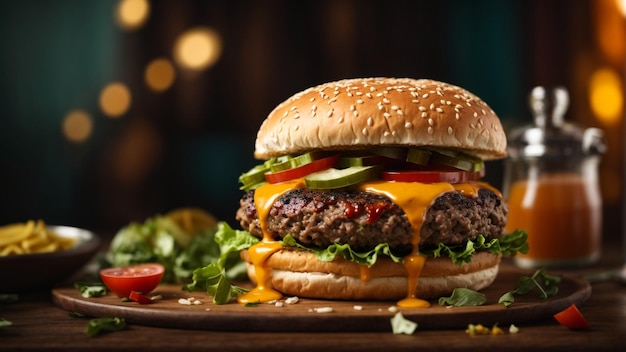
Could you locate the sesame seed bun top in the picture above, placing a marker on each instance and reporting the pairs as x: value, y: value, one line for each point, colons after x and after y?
x: 360, y: 113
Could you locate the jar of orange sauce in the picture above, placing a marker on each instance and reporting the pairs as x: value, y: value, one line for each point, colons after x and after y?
x: 551, y: 185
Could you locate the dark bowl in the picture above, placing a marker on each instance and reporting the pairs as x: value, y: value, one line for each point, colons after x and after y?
x: 32, y: 272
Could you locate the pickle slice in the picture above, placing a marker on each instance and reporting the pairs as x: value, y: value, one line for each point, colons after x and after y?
x: 289, y: 162
x: 391, y: 152
x: 255, y: 177
x: 458, y: 160
x: 418, y: 156
x: 339, y: 178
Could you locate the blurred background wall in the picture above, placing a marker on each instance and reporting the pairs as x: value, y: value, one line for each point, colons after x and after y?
x: 112, y: 111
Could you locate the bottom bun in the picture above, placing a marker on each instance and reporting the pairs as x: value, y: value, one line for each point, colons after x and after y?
x: 300, y: 273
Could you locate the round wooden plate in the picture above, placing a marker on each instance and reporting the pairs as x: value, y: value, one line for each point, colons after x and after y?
x: 305, y: 315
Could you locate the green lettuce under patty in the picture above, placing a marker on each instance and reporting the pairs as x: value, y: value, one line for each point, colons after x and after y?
x: 508, y: 245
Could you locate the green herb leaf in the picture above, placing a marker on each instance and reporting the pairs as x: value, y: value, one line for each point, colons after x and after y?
x: 4, y: 323
x: 91, y: 289
x: 547, y: 285
x: 106, y: 324
x: 214, y: 278
x: 463, y: 297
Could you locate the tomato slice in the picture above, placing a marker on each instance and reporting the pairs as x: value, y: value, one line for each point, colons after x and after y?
x: 141, y: 278
x: 572, y: 318
x: 139, y: 298
x: 301, y: 171
x: 433, y: 176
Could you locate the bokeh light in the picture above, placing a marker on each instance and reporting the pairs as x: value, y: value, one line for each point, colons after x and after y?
x: 115, y: 99
x: 198, y: 48
x: 605, y: 96
x: 160, y: 75
x: 132, y: 14
x: 77, y: 126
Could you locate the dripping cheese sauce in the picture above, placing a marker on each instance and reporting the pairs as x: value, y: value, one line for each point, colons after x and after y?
x: 412, y: 197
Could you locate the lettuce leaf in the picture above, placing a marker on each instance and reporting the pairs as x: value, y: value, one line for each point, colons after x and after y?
x: 508, y: 245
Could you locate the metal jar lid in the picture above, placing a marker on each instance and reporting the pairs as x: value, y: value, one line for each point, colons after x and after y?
x: 551, y: 136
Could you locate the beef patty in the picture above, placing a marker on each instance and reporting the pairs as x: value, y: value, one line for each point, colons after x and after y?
x: 364, y: 220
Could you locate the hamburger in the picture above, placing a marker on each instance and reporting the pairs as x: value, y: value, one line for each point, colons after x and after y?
x: 371, y: 189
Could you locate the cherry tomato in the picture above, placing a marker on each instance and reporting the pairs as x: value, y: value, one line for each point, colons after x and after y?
x: 301, y: 171
x: 433, y: 176
x: 572, y: 318
x: 142, y: 278
x: 139, y: 298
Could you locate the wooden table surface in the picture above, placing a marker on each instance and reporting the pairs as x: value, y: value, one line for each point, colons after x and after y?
x: 39, y: 324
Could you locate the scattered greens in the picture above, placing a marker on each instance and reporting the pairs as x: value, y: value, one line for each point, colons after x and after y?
x: 4, y: 323
x: 106, y: 324
x: 546, y: 285
x: 87, y: 290
x: 214, y: 278
x: 463, y: 297
x: 401, y: 325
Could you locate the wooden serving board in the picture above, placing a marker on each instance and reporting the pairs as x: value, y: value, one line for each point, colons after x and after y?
x: 344, y: 317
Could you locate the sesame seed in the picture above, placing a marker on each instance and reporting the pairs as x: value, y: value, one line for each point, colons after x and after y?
x: 442, y: 101
x: 286, y: 113
x: 364, y: 131
x: 312, y: 99
x: 313, y: 113
x: 349, y: 94
x: 415, y: 101
x: 475, y: 114
x: 340, y: 120
x: 425, y: 95
x: 352, y: 107
x: 385, y: 100
x: 400, y: 112
x: 293, y: 108
x: 387, y: 115
x: 370, y: 121
x: 379, y: 94
x: 356, y: 113
x: 296, y: 127
x: 424, y: 114
x: 457, y: 116
x: 296, y: 116
x: 472, y: 125
x: 313, y: 107
x: 359, y: 101
x: 432, y: 106
x: 359, y: 93
x: 439, y: 110
x: 408, y: 125
x: 369, y: 95
x: 450, y: 130
x: 430, y: 130
x: 394, y: 107
x: 329, y: 113
x: 431, y: 122
x: 422, y: 108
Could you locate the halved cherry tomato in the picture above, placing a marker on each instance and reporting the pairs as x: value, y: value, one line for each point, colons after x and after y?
x: 433, y: 176
x: 142, y: 278
x: 301, y: 171
x: 572, y: 318
x: 139, y: 298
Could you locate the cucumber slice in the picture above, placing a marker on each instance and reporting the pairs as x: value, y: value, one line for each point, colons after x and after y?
x: 459, y: 161
x: 418, y: 156
x: 339, y: 178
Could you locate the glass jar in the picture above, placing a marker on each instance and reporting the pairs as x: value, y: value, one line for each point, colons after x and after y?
x: 551, y: 185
